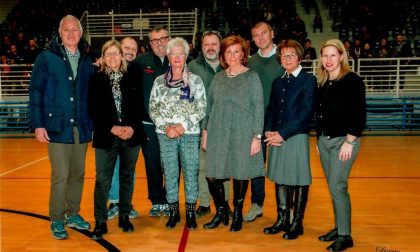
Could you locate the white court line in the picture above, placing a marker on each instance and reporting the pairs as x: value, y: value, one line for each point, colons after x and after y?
x: 22, y: 166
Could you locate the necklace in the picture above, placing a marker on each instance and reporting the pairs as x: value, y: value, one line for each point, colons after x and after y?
x: 235, y: 74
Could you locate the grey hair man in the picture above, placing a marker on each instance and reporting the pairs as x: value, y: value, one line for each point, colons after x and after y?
x: 58, y: 110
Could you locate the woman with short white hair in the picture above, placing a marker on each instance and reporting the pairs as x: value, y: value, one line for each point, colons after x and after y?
x: 177, y: 105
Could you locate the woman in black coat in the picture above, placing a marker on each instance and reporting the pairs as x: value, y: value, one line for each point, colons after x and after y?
x: 116, y: 109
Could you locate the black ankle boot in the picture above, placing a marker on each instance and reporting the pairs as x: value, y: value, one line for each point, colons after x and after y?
x: 190, y: 216
x: 342, y: 243
x: 330, y: 236
x: 174, y: 217
x: 239, y: 192
x: 217, y: 191
x: 125, y: 224
x: 301, y: 198
x: 99, y: 230
x: 283, y: 211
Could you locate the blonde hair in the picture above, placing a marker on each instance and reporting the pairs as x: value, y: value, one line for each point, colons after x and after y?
x: 105, y: 47
x: 345, y: 67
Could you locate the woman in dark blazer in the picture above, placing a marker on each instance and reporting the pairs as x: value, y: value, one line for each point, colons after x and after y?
x: 287, y: 120
x: 341, y: 117
x: 116, y: 109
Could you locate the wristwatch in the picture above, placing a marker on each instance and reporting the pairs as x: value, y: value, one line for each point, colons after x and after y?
x: 258, y: 136
x: 350, y: 142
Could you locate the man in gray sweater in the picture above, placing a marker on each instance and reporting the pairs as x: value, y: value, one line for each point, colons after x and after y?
x: 265, y: 64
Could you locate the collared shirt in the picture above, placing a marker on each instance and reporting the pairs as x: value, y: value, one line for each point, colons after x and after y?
x: 294, y: 73
x: 271, y: 53
x: 73, y: 59
x: 70, y: 54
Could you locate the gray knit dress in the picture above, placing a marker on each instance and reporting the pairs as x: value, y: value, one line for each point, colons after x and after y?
x: 234, y: 115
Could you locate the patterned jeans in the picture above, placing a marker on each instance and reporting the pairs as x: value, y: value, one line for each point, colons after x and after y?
x: 186, y: 149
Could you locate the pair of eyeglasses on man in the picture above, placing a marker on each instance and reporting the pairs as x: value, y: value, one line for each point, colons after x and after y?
x: 288, y: 56
x: 161, y: 40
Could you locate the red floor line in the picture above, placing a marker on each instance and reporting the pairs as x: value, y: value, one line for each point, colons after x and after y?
x: 184, y: 239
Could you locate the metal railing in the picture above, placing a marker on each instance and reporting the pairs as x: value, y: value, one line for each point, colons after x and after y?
x: 395, y: 77
x: 182, y: 24
x: 393, y: 93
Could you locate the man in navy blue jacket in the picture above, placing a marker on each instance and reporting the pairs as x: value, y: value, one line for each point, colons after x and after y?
x: 58, y: 110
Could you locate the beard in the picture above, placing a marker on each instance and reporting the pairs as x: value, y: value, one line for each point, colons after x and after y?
x: 211, y: 55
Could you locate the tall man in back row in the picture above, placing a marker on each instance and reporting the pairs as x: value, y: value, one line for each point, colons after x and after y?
x: 153, y: 64
x: 268, y: 68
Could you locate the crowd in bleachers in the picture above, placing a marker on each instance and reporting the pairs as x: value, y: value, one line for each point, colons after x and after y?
x: 369, y: 28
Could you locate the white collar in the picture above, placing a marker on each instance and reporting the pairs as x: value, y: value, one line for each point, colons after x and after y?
x: 271, y: 53
x: 294, y: 73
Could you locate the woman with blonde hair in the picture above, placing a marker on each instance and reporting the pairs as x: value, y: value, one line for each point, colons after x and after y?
x: 341, y: 117
x: 115, y: 107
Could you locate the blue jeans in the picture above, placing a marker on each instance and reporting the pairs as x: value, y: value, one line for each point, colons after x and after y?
x: 114, y: 192
x: 186, y: 147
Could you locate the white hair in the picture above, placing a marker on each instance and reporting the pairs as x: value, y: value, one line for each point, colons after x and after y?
x: 72, y: 18
x: 177, y: 42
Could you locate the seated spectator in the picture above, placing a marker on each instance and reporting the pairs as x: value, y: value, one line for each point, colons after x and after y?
x: 366, y: 51
x: 15, y: 56
x: 401, y: 48
x: 309, y: 52
x: 31, y: 51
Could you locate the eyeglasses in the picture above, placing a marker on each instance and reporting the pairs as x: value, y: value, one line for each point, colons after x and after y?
x: 208, y: 33
x: 161, y: 40
x: 109, y: 54
x: 288, y: 56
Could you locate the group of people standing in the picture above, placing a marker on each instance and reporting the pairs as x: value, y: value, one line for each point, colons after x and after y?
x: 213, y: 118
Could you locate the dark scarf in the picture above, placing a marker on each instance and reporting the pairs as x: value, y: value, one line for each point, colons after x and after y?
x: 115, y: 78
x: 183, y: 83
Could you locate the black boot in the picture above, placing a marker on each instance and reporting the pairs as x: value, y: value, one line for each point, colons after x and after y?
x: 190, y: 216
x: 330, y: 236
x: 125, y: 224
x: 239, y: 192
x: 217, y: 191
x: 174, y: 217
x: 301, y: 198
x: 342, y: 243
x: 283, y: 211
x: 99, y: 230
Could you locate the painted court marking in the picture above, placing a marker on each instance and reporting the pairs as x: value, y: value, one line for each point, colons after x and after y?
x: 22, y: 166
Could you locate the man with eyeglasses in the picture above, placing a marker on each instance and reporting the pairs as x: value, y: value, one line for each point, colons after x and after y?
x: 153, y: 64
x: 206, y: 65
x: 265, y: 64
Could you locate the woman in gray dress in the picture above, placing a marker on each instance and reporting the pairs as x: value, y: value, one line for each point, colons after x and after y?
x: 287, y: 119
x: 233, y: 127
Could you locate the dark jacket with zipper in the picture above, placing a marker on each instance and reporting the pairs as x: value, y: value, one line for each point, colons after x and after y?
x: 57, y: 101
